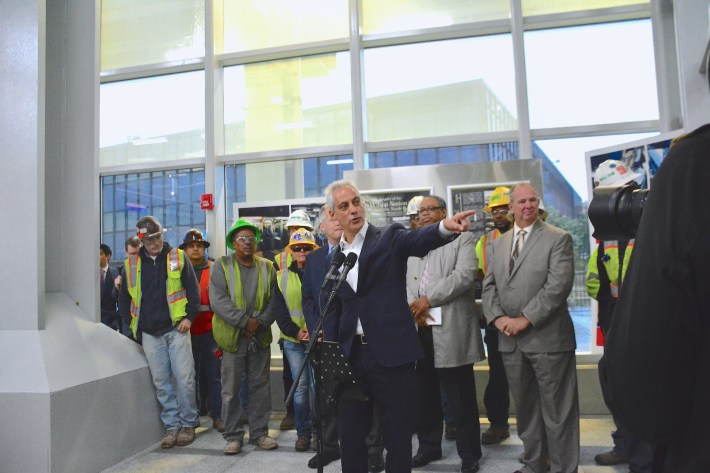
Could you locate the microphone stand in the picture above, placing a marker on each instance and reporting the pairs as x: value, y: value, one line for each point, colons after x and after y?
x: 317, y: 362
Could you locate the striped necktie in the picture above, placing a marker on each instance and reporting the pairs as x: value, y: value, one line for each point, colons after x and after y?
x: 517, y: 249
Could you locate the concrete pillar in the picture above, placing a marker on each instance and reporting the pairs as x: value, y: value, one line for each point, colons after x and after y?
x: 74, y: 395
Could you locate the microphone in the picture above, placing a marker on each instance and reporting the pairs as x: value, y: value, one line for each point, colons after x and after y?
x: 338, y: 259
x: 347, y: 266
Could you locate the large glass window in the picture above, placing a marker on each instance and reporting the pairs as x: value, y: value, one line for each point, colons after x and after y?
x: 171, y: 196
x: 139, y: 32
x: 258, y: 24
x: 568, y: 156
x: 440, y: 88
x: 401, y: 15
x: 445, y: 155
x: 155, y: 119
x: 281, y: 180
x: 536, y: 7
x: 591, y: 74
x: 288, y: 104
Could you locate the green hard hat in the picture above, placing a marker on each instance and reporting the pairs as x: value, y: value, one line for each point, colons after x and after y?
x: 238, y: 225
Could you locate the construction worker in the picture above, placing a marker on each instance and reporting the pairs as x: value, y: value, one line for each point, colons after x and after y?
x: 298, y: 219
x: 301, y: 244
x: 162, y: 296
x: 496, y: 397
x: 203, y: 345
x: 413, y: 211
x: 242, y: 292
x: 605, y: 273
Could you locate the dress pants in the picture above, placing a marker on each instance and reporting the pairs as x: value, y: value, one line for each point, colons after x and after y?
x: 391, y: 390
x: 544, y: 387
x: 460, y: 389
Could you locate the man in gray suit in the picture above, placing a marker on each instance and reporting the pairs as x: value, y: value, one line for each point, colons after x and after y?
x: 525, y: 298
x: 451, y: 337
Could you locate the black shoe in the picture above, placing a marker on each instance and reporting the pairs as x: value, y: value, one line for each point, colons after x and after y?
x: 327, y: 458
x: 375, y: 462
x: 469, y: 467
x: 494, y: 435
x: 421, y: 459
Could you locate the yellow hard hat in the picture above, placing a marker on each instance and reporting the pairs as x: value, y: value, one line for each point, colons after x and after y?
x: 499, y: 196
x: 302, y: 237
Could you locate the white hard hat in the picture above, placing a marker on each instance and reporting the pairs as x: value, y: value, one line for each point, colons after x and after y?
x: 413, y: 205
x: 299, y: 218
x: 613, y: 173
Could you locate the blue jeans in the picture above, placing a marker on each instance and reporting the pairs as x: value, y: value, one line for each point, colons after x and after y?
x: 304, y: 391
x: 203, y: 348
x: 170, y: 356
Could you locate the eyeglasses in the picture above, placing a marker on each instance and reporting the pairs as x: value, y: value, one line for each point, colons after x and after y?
x: 153, y: 238
x: 429, y: 209
x: 500, y: 212
x: 300, y: 248
x: 245, y: 240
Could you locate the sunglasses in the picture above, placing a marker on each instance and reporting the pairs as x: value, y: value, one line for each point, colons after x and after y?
x: 300, y: 248
x: 500, y: 212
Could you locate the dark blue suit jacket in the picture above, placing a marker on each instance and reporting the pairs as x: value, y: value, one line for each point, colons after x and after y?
x: 317, y: 264
x: 381, y: 299
x: 109, y: 313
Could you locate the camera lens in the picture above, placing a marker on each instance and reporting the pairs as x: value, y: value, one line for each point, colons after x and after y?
x: 615, y: 212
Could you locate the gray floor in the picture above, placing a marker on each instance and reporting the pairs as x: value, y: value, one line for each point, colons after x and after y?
x: 205, y: 454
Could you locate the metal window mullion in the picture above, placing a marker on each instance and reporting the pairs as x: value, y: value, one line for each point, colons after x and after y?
x: 521, y: 82
x: 214, y: 125
x: 357, y: 87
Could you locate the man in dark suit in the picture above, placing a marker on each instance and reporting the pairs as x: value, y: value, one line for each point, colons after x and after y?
x: 109, y: 314
x: 525, y: 297
x: 317, y: 264
x: 372, y: 320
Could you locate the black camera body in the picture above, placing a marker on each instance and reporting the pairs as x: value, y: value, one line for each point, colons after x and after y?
x: 615, y: 211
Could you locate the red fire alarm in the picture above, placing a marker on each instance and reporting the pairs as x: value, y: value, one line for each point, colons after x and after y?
x: 206, y: 202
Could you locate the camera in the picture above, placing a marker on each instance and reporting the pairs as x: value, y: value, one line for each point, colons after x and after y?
x: 615, y: 211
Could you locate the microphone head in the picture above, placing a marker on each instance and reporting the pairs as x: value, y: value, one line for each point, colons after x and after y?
x: 350, y: 260
x: 338, y: 259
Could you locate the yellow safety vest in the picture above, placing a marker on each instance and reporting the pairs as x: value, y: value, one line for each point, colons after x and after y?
x: 611, y: 250
x: 176, y: 294
x: 227, y: 335
x: 283, y: 260
x: 481, y: 249
x: 290, y: 285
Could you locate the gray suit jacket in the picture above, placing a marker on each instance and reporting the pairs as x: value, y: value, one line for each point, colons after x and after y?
x: 457, y: 341
x: 537, y: 288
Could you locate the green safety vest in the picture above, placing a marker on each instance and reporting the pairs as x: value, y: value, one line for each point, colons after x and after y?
x: 176, y: 294
x: 227, y: 335
x: 290, y: 285
x: 611, y: 249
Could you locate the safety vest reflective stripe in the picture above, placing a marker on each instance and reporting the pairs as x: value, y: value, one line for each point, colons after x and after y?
x: 496, y: 233
x: 176, y: 296
x: 205, y: 308
x: 132, y: 275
